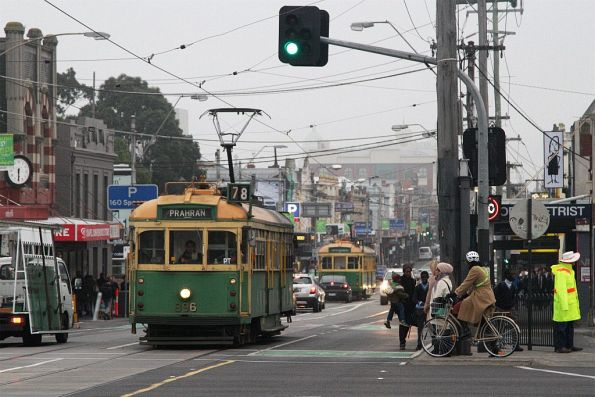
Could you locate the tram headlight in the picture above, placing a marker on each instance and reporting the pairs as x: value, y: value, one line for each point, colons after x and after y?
x: 185, y: 293
x: 233, y: 281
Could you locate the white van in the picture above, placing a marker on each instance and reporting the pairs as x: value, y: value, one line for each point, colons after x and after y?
x: 26, y: 294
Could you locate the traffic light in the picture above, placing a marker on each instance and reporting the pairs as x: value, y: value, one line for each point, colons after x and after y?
x: 300, y: 29
x: 496, y: 154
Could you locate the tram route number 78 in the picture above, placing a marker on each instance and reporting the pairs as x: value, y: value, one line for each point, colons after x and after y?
x: 185, y: 307
x: 238, y: 192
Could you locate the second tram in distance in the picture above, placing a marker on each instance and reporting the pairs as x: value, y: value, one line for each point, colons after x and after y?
x: 357, y: 263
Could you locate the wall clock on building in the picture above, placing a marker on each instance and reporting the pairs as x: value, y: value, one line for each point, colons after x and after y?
x: 20, y: 173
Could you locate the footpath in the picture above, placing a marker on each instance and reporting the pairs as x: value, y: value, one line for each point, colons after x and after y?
x: 538, y: 356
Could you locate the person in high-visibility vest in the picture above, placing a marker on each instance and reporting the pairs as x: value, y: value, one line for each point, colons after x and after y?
x: 566, y: 306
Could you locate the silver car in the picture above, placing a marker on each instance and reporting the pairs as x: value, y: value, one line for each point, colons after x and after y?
x: 308, y: 293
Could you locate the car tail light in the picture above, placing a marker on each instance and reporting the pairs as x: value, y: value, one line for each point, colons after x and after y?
x: 313, y: 290
x: 345, y: 285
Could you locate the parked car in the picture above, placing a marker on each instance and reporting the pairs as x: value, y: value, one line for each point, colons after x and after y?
x: 308, y: 293
x: 385, y: 282
x: 336, y: 287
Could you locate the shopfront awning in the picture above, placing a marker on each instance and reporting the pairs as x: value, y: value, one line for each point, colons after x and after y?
x: 82, y: 230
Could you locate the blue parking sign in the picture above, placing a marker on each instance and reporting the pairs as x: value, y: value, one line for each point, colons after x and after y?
x: 121, y: 197
x: 292, y: 208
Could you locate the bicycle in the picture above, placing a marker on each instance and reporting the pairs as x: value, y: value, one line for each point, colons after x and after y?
x: 499, y: 333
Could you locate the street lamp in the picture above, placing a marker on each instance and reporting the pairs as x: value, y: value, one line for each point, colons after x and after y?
x: 95, y: 35
x: 401, y: 127
x: 275, y: 147
x: 360, y: 26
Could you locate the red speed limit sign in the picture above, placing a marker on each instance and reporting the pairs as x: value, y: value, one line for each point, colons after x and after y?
x: 494, y: 205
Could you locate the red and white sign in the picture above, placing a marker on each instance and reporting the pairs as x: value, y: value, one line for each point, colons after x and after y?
x: 84, y: 232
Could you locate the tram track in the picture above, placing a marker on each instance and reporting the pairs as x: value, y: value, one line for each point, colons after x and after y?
x: 100, y: 361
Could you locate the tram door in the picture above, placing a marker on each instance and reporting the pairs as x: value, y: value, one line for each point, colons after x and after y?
x: 246, y: 266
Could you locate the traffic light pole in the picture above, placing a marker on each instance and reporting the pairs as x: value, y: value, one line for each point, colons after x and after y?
x: 483, y: 231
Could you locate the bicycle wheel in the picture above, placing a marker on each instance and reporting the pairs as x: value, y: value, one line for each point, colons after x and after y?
x: 439, y: 337
x: 502, y: 336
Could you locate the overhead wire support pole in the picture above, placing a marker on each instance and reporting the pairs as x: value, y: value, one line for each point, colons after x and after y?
x: 482, y: 128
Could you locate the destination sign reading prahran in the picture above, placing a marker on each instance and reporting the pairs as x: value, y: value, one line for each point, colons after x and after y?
x: 186, y: 212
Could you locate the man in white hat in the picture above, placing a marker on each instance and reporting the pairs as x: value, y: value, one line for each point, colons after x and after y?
x: 566, y: 306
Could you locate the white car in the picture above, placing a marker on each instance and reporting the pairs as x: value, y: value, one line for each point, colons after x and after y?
x: 385, y: 283
x: 308, y: 293
x: 425, y: 253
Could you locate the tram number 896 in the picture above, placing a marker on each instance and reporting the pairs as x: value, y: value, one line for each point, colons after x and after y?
x: 185, y: 307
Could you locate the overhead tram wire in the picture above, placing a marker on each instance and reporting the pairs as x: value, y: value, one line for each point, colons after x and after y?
x: 306, y: 155
x: 185, y: 46
x: 162, y: 69
x: 511, y: 102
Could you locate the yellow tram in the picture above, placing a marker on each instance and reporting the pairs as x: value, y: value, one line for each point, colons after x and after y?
x: 356, y: 262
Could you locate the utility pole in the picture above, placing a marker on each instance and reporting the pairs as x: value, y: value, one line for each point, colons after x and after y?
x: 448, y: 161
x: 470, y: 55
x: 133, y: 148
x: 93, y: 98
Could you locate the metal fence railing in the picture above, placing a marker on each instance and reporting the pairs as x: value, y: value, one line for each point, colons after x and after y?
x: 534, y: 317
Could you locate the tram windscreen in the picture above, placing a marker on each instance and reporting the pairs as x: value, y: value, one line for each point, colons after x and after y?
x: 352, y: 262
x: 340, y: 262
x: 186, y: 246
x: 222, y: 248
x: 151, y: 247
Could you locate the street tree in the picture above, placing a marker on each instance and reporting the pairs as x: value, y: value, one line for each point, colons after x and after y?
x: 166, y: 158
x: 70, y: 90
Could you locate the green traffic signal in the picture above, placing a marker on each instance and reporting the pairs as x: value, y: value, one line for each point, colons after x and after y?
x: 291, y: 48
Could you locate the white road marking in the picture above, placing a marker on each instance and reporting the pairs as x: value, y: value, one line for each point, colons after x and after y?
x: 119, y: 346
x: 282, y: 344
x: 417, y: 353
x: 557, y: 372
x: 348, y: 362
x: 30, y: 366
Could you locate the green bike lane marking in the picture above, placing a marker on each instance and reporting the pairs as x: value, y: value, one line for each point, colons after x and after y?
x: 334, y: 353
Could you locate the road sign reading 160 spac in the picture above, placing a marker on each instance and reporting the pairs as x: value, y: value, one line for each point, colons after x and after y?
x: 121, y: 197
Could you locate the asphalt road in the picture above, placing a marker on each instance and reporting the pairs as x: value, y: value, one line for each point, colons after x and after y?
x: 344, y: 350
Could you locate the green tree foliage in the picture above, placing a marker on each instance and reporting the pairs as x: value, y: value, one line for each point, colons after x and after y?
x: 165, y: 159
x: 69, y: 91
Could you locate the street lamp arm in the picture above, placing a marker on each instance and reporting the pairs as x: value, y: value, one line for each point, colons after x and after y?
x: 95, y: 35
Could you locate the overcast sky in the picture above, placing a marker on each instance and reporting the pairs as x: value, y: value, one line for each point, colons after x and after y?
x: 552, y: 48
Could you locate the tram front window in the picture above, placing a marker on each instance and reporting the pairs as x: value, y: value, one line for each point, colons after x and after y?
x: 151, y: 247
x: 352, y: 262
x: 340, y: 262
x: 186, y: 246
x: 327, y: 262
x: 222, y: 248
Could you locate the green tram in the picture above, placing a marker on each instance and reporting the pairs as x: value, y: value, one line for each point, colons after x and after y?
x: 357, y: 263
x: 189, y: 285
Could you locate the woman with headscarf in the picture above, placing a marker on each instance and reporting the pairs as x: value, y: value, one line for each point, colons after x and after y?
x: 442, y: 284
x: 431, y: 281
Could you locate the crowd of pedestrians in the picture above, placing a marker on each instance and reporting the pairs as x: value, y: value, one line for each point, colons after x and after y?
x: 86, y: 290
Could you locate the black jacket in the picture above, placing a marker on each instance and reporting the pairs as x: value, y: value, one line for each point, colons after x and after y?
x: 505, y: 297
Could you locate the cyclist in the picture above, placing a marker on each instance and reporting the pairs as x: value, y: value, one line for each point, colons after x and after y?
x: 477, y: 290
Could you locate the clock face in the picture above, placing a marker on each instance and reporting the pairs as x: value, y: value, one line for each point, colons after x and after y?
x: 20, y: 174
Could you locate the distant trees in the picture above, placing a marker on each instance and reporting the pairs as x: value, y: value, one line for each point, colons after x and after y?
x: 159, y: 159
